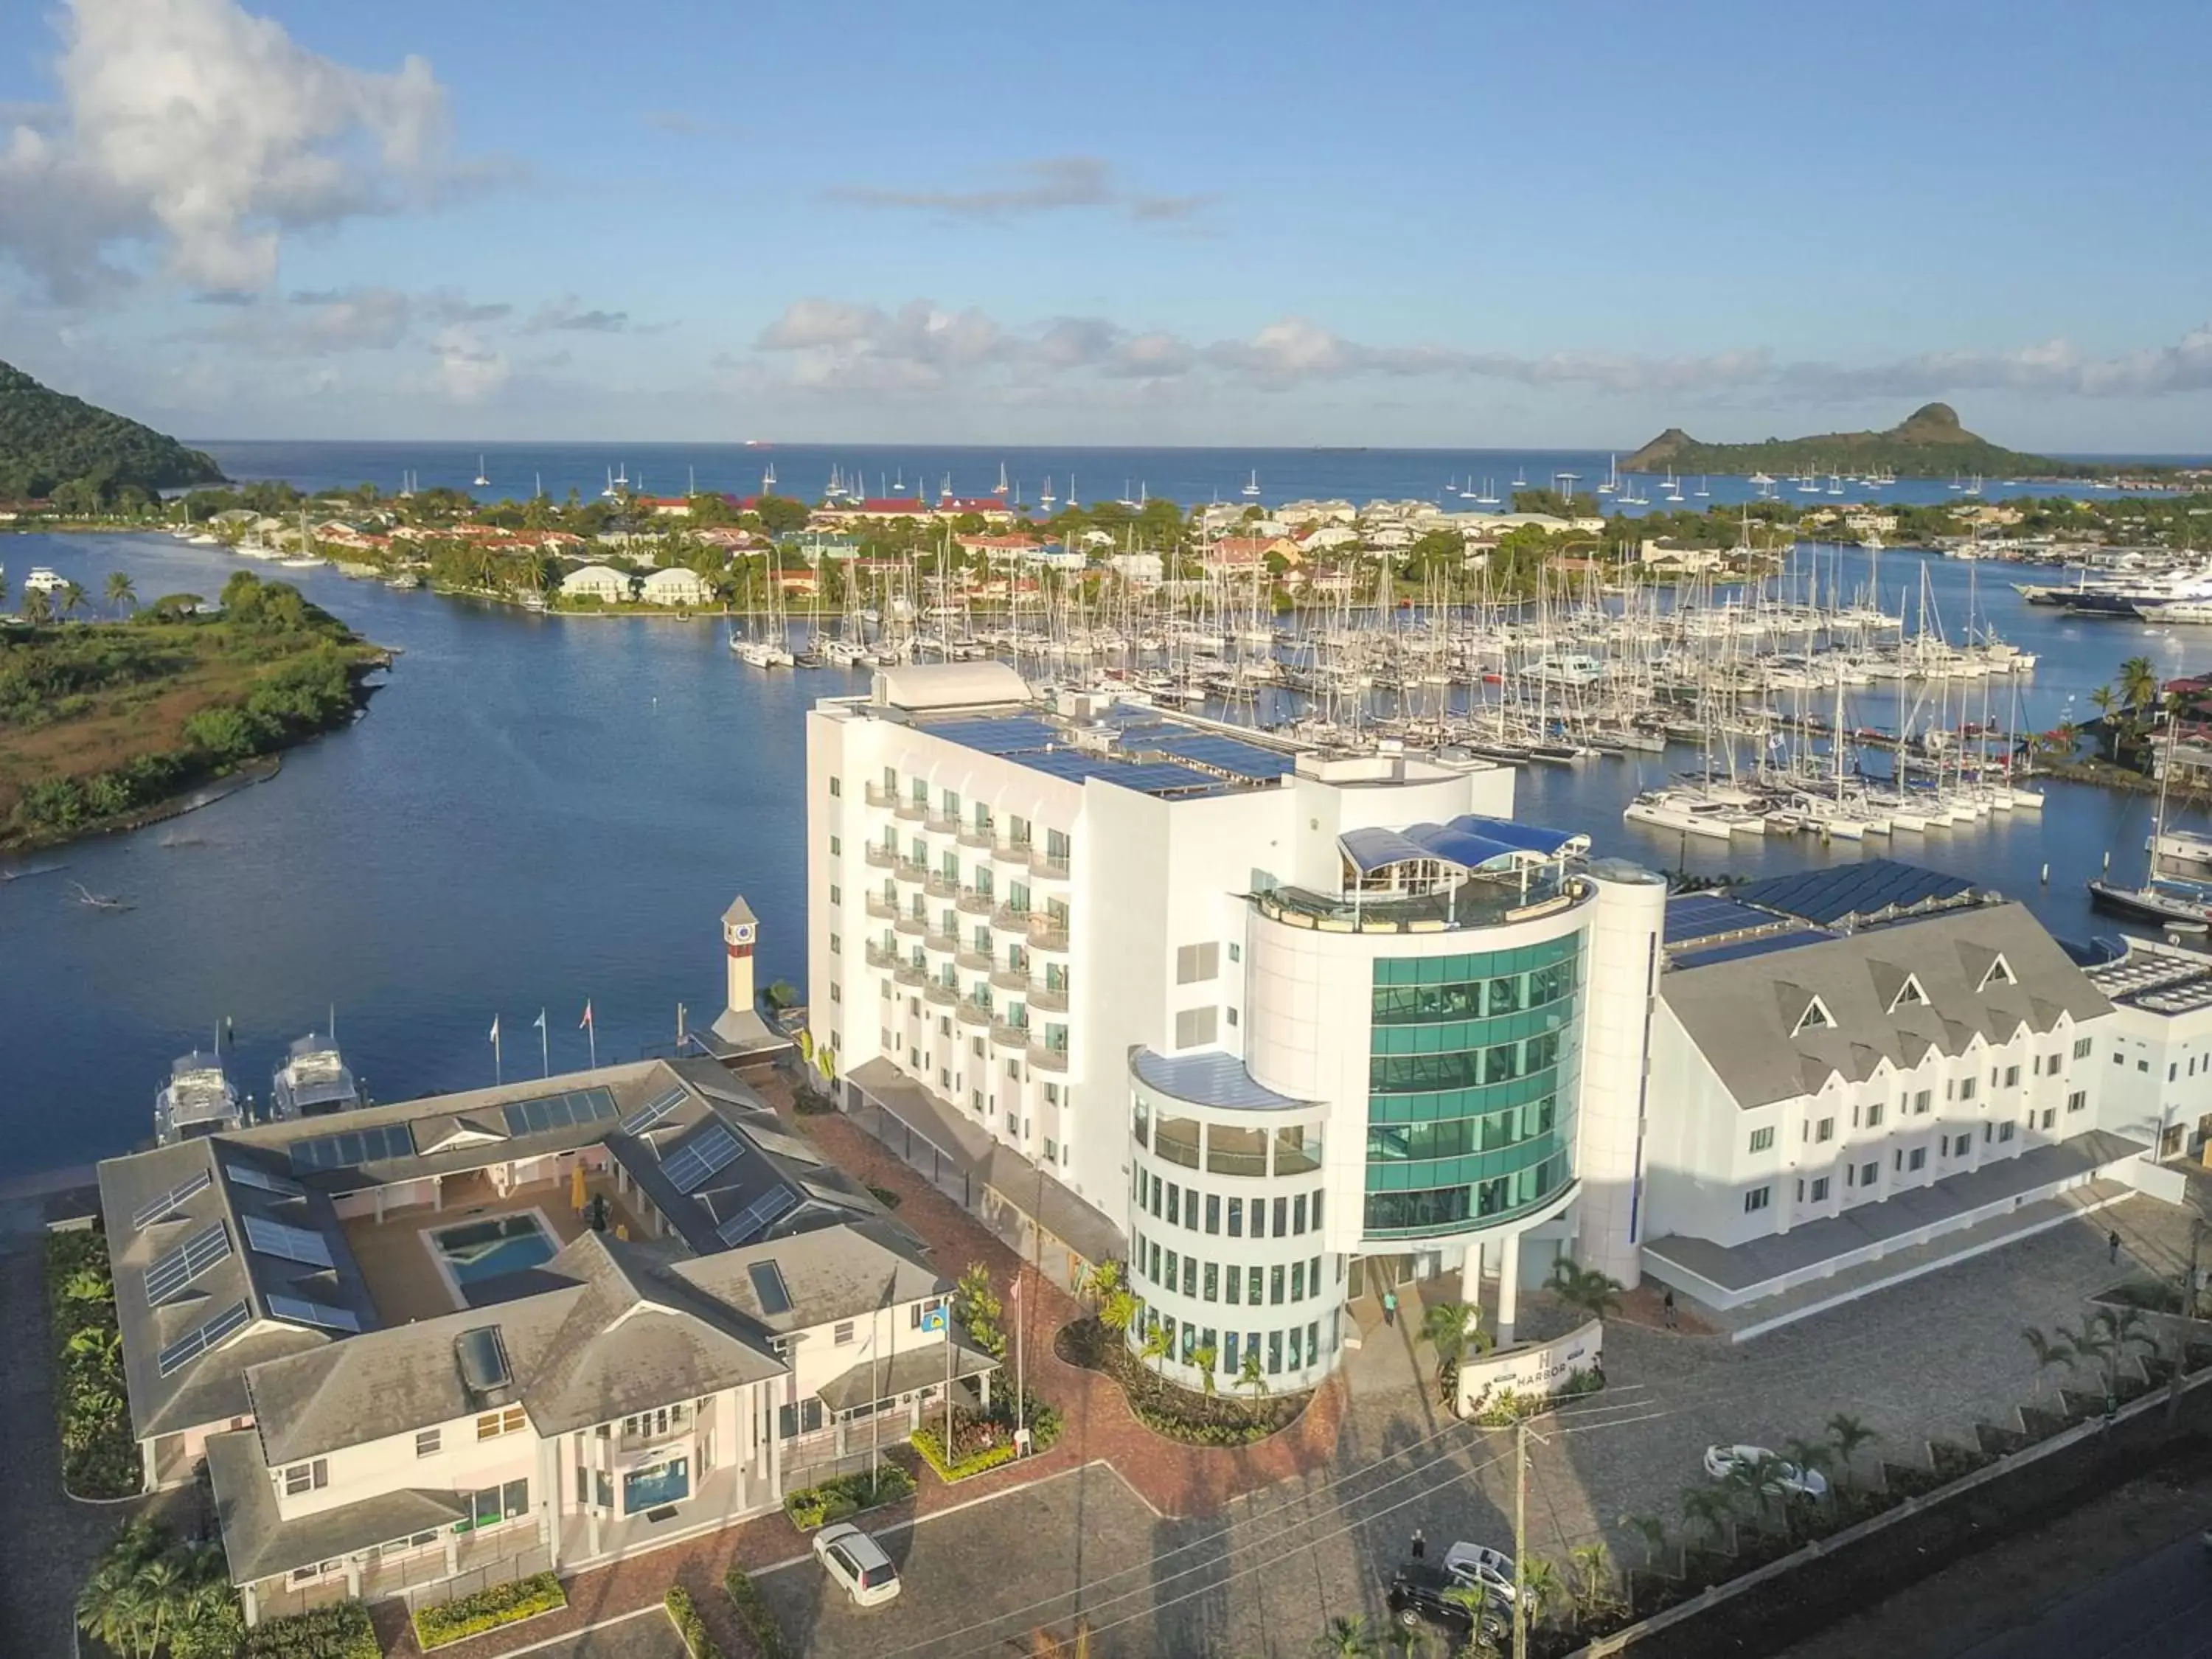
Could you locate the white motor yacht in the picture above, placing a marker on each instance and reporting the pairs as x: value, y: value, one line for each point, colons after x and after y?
x: 313, y: 1081
x: 198, y: 1099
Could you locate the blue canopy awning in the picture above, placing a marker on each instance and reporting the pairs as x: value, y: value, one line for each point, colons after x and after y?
x: 1471, y: 841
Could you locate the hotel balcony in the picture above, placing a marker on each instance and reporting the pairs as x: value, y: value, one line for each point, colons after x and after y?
x: 1016, y: 980
x: 1049, y: 1059
x: 1014, y: 852
x: 977, y: 902
x: 978, y: 835
x: 884, y: 858
x: 972, y: 1012
x: 1051, y: 868
x: 1047, y: 934
x: 877, y: 795
x: 882, y: 908
x: 880, y: 957
x: 910, y: 923
x: 1480, y: 901
x: 938, y: 885
x: 943, y: 995
x: 912, y: 811
x: 910, y: 870
x: 1051, y: 1000
x: 1006, y: 916
x: 910, y: 973
x: 940, y: 824
x: 974, y: 961
x: 1010, y: 1036
x: 943, y: 943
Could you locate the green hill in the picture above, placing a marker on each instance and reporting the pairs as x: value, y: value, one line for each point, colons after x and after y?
x: 1930, y: 443
x: 49, y: 440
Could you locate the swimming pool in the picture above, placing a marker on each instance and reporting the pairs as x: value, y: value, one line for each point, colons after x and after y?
x: 477, y: 1250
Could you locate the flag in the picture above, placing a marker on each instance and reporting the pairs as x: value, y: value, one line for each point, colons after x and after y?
x: 586, y: 1019
x: 494, y: 1029
x: 539, y: 1023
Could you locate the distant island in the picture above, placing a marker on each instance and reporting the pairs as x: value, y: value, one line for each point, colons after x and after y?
x: 1930, y: 443
x: 54, y: 445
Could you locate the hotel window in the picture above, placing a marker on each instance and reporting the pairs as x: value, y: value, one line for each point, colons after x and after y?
x: 1967, y: 1087
x: 1920, y: 1103
x: 1294, y: 1347
x: 1282, y: 1217
x: 1232, y: 1285
x: 1316, y: 1209
x: 1212, y: 1212
x: 1194, y: 962
x: 1274, y: 1351
x: 1174, y: 1274
x: 1276, y: 1284
x: 1874, y: 1116
x: 1762, y: 1139
x: 1154, y: 1275
x: 2053, y: 1063
x: 836, y: 787
x: 1210, y: 1288
x: 1826, y: 1131
x: 1190, y: 1275
x: 836, y: 946
x: 2081, y: 1047
x: 1252, y: 1279
x: 2118, y: 1058
x: 836, y: 846
x: 1918, y: 1158
x: 1236, y: 953
x: 1298, y: 1281
x: 1175, y: 1204
x: 837, y: 893
x: 1195, y: 1026
x: 2049, y: 1115
x: 1298, y: 1213
x: 492, y: 1425
x: 427, y: 1442
x: 1237, y: 1217
x: 1757, y: 1199
x: 2012, y: 1077
x: 1867, y: 1173
x: 307, y: 1477
x: 1051, y: 1152
x: 2004, y: 1133
x: 2077, y: 1100
x: 842, y: 1334
x: 1820, y: 1189
x: 2173, y: 1071
x: 1156, y: 1195
x: 1313, y: 1277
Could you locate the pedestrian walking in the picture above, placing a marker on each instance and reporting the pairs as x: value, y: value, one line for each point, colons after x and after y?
x: 1420, y: 1546
x: 2112, y: 1245
x: 1666, y: 1308
x: 1389, y: 1307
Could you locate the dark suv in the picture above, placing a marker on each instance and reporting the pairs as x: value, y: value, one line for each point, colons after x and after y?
x: 1421, y: 1593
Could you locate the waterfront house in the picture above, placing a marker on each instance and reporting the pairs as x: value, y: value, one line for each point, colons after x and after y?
x: 596, y: 581
x: 546, y: 1325
x: 676, y: 585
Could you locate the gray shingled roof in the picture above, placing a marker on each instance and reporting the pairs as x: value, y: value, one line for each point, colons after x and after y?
x: 257, y: 1543
x: 837, y: 1274
x: 1744, y: 1015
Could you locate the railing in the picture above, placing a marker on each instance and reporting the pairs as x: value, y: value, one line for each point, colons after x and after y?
x: 940, y: 885
x: 1481, y: 902
x: 1011, y: 979
x: 972, y: 1012
x: 1043, y: 864
x: 878, y: 796
x: 977, y: 902
x: 979, y: 834
x: 1047, y: 999
x: 1006, y: 916
x: 884, y: 858
x: 909, y: 974
x: 944, y: 942
x: 940, y: 824
x: 1012, y: 852
x: 1047, y: 934
x: 911, y: 870
x: 882, y: 908
x: 909, y: 924
x: 974, y: 961
x: 1051, y: 1060
x: 913, y: 810
x: 879, y: 957
x: 940, y: 994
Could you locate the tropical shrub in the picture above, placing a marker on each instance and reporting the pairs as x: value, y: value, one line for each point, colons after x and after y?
x: 759, y: 1622
x: 149, y: 1593
x: 439, y: 1623
x: 683, y: 1613
x: 342, y: 1631
x: 99, y: 1458
x: 971, y: 1455
x: 846, y: 1495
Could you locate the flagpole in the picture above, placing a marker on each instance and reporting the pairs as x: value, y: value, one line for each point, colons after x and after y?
x: 498, y: 1071
x: 544, y: 1044
x: 592, y: 1031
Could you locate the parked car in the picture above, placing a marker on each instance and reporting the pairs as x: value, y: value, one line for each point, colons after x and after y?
x: 1421, y: 1593
x: 1721, y: 1462
x: 1479, y: 1564
x: 858, y: 1562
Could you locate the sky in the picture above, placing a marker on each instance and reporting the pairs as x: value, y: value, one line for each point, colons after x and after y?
x: 1442, y: 225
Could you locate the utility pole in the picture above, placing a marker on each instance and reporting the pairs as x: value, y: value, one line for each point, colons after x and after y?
x: 1521, y: 1540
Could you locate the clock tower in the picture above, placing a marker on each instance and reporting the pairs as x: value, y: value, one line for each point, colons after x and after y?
x: 740, y: 931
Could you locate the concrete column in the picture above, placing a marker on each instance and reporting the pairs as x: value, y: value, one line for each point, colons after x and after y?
x: 591, y: 1463
x: 1619, y: 972
x: 550, y: 1498
x: 1470, y: 1274
x: 252, y: 1603
x: 353, y: 1578
x: 775, y: 1457
x: 1509, y: 1286
x: 453, y: 1552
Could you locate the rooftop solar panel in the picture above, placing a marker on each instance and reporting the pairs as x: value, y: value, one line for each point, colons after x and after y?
x: 561, y: 1111
x: 148, y: 1213
x: 248, y: 1174
x: 198, y: 1341
x: 352, y: 1148
x: 997, y: 736
x: 713, y: 1149
x: 1701, y: 916
x: 1161, y: 778
x: 1851, y: 891
x: 174, y: 1269
x: 1238, y: 759
x: 757, y: 1217
x: 287, y: 1243
x: 301, y: 1311
x: 652, y: 1111
x: 1751, y: 947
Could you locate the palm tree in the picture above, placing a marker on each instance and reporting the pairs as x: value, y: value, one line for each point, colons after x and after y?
x: 1476, y: 1599
x: 1847, y: 1434
x: 1590, y: 1582
x: 4, y: 593
x: 1811, y: 1456
x: 1203, y: 1357
x: 2094, y: 1343
x: 1101, y: 1281
x: 2049, y: 1352
x: 1711, y: 1509
x: 1541, y: 1587
x: 2139, y: 686
x: 1346, y: 1639
x: 120, y: 593
x: 1157, y: 1345
x: 1252, y: 1375
x: 1595, y: 1293
x: 37, y: 607
x: 1653, y: 1531
x: 73, y: 598
x: 1450, y: 1328
x: 2124, y: 1328
x: 1117, y: 1311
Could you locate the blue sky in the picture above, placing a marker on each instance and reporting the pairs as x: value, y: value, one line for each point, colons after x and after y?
x: 1450, y: 225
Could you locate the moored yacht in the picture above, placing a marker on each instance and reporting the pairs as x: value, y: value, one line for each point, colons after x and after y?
x: 198, y: 1099
x: 313, y: 1081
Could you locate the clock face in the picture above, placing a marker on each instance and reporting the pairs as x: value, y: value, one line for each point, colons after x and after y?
x: 744, y: 933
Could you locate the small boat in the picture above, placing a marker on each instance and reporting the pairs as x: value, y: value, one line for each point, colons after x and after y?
x: 2163, y: 905
x: 198, y: 1099
x: 1252, y: 483
x: 314, y: 1081
x: 482, y: 480
x: 761, y: 654
x: 43, y: 580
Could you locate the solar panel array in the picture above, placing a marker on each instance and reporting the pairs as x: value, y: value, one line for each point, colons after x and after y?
x: 757, y: 1217
x: 714, y: 1150
x: 1702, y: 915
x: 1854, y: 890
x: 175, y: 1268
x: 1240, y: 760
x: 1752, y: 947
x: 301, y: 1311
x: 352, y: 1148
x: 202, y: 1337
x: 563, y: 1111
x: 768, y: 1287
x: 653, y: 1110
x: 290, y: 1243
x: 998, y: 737
x: 247, y: 1175
x: 153, y: 1211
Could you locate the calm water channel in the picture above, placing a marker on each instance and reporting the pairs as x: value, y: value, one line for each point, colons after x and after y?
x: 535, y: 812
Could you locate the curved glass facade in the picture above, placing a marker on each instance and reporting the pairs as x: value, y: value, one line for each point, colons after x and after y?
x: 1471, y: 1086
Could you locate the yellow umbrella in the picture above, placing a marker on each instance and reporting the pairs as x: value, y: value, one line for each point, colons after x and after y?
x: 576, y: 1199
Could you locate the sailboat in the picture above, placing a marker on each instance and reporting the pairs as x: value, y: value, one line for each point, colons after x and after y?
x: 768, y: 479
x: 1467, y: 490
x: 1252, y: 483
x: 2168, y: 904
x: 1521, y: 477
x: 1000, y: 488
x: 1612, y: 476
x: 482, y: 478
x: 1046, y: 498
x: 1704, y: 485
x: 609, y: 492
x: 1489, y: 496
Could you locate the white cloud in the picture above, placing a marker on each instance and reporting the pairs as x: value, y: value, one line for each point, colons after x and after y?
x: 201, y: 133
x: 1057, y: 183
x: 470, y: 369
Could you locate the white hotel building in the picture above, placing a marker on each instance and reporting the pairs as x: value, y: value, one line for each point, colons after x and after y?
x: 1280, y: 1027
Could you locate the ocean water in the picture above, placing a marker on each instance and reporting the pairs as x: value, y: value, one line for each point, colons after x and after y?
x: 536, y: 811
x: 1188, y: 475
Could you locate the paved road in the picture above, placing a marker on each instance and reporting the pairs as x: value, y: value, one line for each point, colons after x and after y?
x: 2159, y: 1607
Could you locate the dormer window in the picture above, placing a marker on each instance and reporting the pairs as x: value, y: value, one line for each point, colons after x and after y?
x: 1816, y: 1018
x: 2000, y: 972
x: 1909, y: 994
